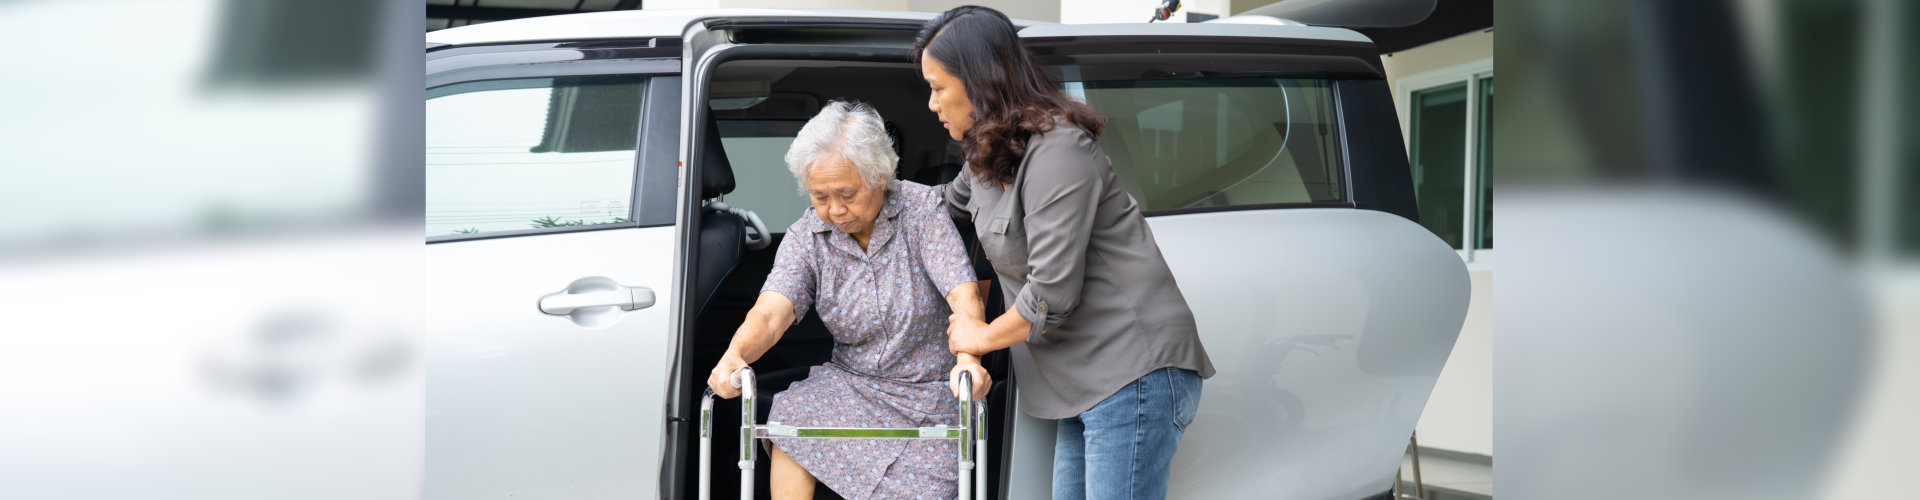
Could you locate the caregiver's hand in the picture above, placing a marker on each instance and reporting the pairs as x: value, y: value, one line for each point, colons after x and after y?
x: 966, y: 334
x: 981, y: 381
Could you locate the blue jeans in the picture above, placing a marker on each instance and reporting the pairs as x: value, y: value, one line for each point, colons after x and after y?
x: 1123, y: 447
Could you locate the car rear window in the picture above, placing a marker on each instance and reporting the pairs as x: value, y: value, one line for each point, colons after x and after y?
x: 1195, y: 144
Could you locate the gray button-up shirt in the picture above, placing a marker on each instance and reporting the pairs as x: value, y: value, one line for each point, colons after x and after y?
x: 1078, y: 261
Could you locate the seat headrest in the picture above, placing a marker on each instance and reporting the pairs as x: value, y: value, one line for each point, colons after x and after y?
x: 899, y: 140
x: 938, y: 174
x: 716, y: 174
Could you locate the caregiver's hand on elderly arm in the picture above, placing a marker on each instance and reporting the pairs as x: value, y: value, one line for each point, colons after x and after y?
x: 970, y: 335
x: 968, y: 300
x: 769, y: 318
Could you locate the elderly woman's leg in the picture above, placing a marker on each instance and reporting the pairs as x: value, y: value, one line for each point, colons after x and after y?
x: 790, y: 481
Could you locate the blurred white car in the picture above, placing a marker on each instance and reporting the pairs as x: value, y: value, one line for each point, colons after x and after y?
x: 583, y: 274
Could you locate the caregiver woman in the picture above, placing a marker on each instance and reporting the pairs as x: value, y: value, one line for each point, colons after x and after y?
x: 1100, y: 336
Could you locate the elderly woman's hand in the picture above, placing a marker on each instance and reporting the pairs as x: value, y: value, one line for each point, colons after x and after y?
x: 721, y: 379
x: 970, y: 364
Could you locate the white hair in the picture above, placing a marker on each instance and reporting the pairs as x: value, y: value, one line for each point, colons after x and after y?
x: 849, y: 131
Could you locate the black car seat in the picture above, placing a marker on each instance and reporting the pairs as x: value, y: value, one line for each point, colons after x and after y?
x: 937, y: 174
x: 722, y: 233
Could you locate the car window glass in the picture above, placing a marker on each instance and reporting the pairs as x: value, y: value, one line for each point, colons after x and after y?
x: 757, y: 149
x: 531, y: 153
x: 1183, y: 144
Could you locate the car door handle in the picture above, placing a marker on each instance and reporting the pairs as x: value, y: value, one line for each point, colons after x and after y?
x: 596, y: 292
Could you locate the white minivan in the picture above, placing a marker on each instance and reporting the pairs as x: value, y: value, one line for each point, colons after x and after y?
x: 604, y: 193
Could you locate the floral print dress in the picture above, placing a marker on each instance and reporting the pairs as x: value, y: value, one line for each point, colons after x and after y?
x: 886, y: 307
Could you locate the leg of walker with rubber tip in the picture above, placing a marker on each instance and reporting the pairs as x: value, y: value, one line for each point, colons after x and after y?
x: 971, y: 434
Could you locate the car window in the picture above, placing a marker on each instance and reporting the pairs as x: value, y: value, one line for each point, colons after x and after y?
x: 1184, y: 144
x: 511, y: 155
x: 757, y: 149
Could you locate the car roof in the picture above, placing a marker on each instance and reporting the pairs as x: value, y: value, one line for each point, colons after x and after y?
x: 630, y: 24
x: 638, y: 24
x: 1208, y: 29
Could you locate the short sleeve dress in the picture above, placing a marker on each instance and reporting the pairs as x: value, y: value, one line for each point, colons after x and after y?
x: 887, y: 310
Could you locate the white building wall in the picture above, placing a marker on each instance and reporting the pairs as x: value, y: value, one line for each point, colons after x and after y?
x: 1459, y: 415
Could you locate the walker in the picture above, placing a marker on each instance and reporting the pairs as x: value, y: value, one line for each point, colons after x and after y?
x: 971, y: 433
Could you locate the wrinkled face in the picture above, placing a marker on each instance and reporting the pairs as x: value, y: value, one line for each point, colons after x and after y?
x: 949, y: 97
x: 841, y: 198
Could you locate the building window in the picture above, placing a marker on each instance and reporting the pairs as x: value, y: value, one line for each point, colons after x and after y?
x: 1447, y: 116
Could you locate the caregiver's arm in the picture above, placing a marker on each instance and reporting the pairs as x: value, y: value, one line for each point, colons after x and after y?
x: 969, y: 335
x: 1060, y: 202
x: 955, y: 194
x: 768, y: 319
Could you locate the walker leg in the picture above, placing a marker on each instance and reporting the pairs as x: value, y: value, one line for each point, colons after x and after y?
x: 980, y: 449
x: 744, y: 380
x: 706, y: 446
x: 966, y: 436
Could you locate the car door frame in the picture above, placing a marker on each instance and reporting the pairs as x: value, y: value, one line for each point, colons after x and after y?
x: 707, y: 45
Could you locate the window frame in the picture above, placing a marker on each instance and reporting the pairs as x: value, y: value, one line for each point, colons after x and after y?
x: 1470, y: 73
x: 659, y: 106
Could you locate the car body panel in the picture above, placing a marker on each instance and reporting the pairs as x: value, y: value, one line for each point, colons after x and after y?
x: 524, y: 404
x: 1327, y: 335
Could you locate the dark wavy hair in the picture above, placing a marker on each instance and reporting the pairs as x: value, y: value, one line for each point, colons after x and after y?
x: 1012, y: 99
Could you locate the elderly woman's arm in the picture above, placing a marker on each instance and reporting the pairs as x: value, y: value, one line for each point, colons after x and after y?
x: 769, y: 318
x: 943, y: 256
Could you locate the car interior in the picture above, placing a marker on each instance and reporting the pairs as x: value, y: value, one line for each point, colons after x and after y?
x: 758, y: 106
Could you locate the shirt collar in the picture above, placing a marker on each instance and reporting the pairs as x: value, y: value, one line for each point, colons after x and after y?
x: 889, y: 210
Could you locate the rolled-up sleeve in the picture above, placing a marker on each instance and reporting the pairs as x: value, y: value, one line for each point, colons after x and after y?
x: 1061, y: 196
x: 794, y: 274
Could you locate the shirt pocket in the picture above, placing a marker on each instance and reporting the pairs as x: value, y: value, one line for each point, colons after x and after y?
x: 1005, y: 241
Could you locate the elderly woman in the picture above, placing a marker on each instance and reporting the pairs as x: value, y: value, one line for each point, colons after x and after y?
x: 882, y: 263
